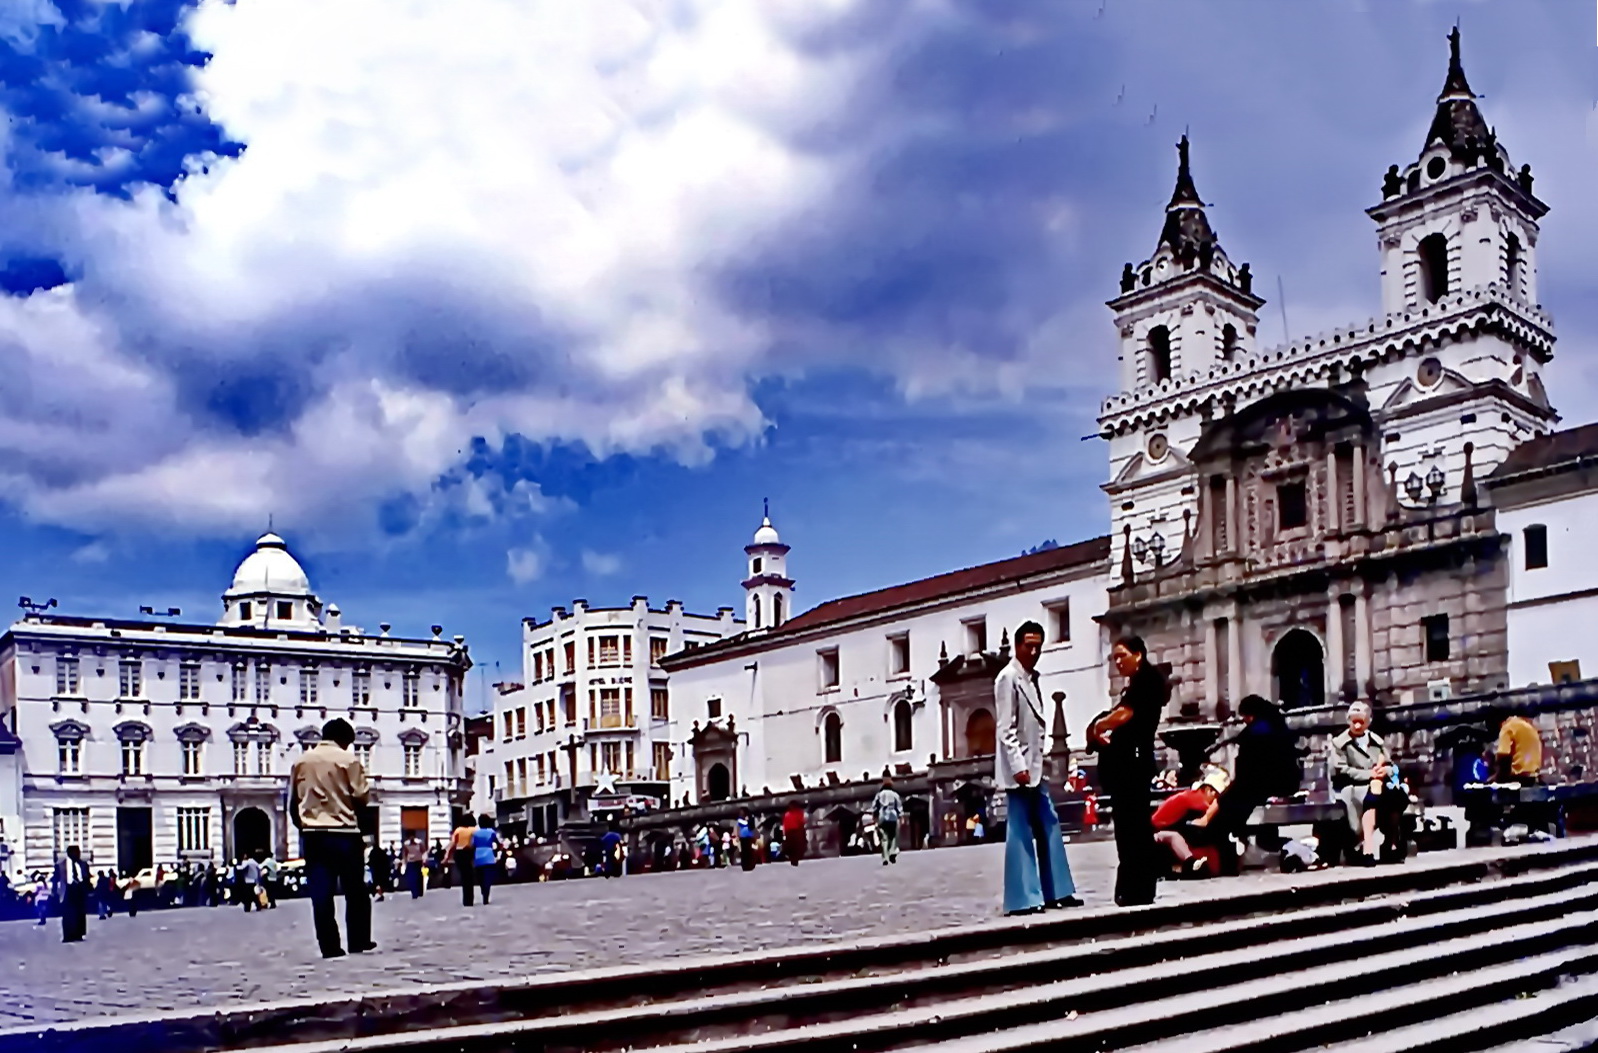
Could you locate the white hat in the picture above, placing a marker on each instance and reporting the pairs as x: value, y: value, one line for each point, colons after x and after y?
x: 1217, y: 779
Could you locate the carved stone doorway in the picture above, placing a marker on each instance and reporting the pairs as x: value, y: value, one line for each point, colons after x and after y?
x: 1299, y: 667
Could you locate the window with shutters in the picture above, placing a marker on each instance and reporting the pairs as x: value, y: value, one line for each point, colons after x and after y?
x: 192, y: 760
x: 413, y: 760
x: 194, y: 830
x: 308, y: 687
x: 411, y: 684
x: 131, y: 679
x: 659, y: 703
x: 263, y: 685
x: 361, y: 687
x: 609, y: 650
x: 657, y: 649
x: 239, y: 692
x: 189, y: 682
x: 66, y: 676
x: 71, y: 827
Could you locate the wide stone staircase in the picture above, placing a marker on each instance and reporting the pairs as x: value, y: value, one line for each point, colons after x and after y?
x: 1487, y: 950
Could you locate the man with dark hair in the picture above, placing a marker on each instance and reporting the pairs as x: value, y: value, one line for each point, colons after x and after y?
x: 72, y: 886
x: 1036, y: 872
x: 1124, y: 740
x: 326, y: 790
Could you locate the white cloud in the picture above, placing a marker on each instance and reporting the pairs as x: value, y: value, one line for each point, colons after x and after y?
x: 549, y: 183
x: 600, y: 564
x: 93, y: 552
x: 525, y: 565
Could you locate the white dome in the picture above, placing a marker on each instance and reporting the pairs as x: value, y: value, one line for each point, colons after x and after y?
x: 271, y: 569
x: 767, y: 534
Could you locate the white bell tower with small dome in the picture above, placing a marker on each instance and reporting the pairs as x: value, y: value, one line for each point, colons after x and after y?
x: 768, y: 588
x: 271, y: 590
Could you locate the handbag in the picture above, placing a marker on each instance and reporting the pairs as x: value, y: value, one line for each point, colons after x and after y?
x: 260, y: 895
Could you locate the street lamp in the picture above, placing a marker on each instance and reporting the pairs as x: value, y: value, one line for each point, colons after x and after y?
x: 1412, y: 486
x: 1151, y: 548
x: 1434, y: 482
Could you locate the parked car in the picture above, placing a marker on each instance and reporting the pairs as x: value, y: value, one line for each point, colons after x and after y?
x: 145, y: 879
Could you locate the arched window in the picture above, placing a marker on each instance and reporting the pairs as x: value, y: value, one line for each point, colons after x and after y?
x: 902, y: 731
x: 832, y: 735
x: 1433, y: 251
x: 776, y: 610
x: 757, y: 612
x: 1159, y: 354
x: 1228, y: 341
x: 1514, y: 263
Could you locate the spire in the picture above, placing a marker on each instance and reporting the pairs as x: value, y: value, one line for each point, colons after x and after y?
x: 1187, y: 229
x: 1456, y: 86
x: 1458, y: 124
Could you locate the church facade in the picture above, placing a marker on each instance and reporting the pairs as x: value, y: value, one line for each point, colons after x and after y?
x: 151, y: 742
x: 1314, y: 522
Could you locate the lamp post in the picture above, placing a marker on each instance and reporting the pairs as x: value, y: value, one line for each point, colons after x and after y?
x: 1412, y: 487
x: 1434, y: 482
x: 1149, y: 549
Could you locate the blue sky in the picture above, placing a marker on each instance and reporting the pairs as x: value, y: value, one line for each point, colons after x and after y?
x: 489, y: 306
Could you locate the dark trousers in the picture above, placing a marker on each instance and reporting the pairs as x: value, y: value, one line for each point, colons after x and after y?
x: 75, y: 914
x: 413, y: 879
x: 485, y: 878
x: 468, y: 875
x: 746, y: 852
x: 1128, y: 784
x: 336, y: 862
x: 244, y: 892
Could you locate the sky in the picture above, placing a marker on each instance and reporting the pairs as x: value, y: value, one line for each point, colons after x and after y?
x: 491, y: 305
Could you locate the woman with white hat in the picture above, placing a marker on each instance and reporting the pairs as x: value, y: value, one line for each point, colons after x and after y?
x: 1182, y: 820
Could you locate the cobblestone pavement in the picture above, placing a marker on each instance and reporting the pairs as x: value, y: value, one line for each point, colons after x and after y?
x: 209, y: 956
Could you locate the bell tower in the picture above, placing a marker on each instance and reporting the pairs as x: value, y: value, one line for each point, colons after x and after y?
x: 768, y: 589
x: 1181, y: 313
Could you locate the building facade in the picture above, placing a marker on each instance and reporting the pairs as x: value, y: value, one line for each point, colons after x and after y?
x: 589, y: 730
x: 153, y: 742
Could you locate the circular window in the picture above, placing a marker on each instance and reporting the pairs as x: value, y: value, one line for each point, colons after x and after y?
x: 1430, y: 372
x: 1159, y: 445
x: 1436, y: 167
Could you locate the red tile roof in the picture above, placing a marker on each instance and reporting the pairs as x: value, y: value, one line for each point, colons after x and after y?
x: 941, y: 586
x: 1546, y: 451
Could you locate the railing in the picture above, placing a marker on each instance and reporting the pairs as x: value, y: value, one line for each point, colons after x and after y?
x: 615, y: 722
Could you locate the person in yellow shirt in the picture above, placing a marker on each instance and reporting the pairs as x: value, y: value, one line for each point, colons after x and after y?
x: 1520, y: 750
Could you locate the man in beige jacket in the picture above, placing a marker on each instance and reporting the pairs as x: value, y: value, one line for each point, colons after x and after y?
x: 326, y: 791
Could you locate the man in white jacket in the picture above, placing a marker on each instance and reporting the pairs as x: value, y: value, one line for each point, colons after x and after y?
x: 1036, y: 873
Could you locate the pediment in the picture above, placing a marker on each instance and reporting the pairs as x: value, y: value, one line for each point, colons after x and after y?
x: 1139, y: 467
x: 1409, y: 393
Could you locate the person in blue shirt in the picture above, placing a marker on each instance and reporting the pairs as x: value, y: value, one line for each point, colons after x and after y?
x: 746, y: 840
x: 610, y: 846
x: 485, y: 853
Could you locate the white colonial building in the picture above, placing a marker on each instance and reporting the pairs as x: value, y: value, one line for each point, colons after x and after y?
x: 590, y: 726
x: 147, y: 741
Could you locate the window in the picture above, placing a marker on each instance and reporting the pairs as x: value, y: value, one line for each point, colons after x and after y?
x: 1435, y: 627
x: 241, y: 758
x: 832, y: 732
x: 70, y: 754
x: 1536, y: 546
x: 1292, y: 506
x: 1059, y: 620
x: 1514, y: 267
x: 263, y: 757
x: 285, y: 610
x: 571, y: 657
x: 192, y: 761
x: 538, y: 668
x: 411, y: 688
x: 755, y: 608
x: 549, y: 664
x: 521, y: 774
x: 976, y: 636
x: 189, y: 682
x: 521, y: 722
x: 238, y: 683
x: 540, y: 761
x: 610, y: 757
x: 610, y: 707
x: 1159, y: 354
x: 538, y: 717
x: 754, y: 568
x: 131, y: 679
x: 308, y: 687
x: 413, y: 760
x: 627, y: 650
x: 657, y: 649
x: 662, y: 757
x: 509, y: 717
x: 263, y: 684
x: 829, y: 668
x: 902, y: 727
x: 899, y: 654
x: 1228, y: 341
x: 1433, y: 250
x: 610, y: 650
x: 713, y: 708
x: 71, y: 827
x: 659, y: 703
x: 363, y: 754
x: 194, y: 830
x: 246, y: 611
x: 361, y: 687
x: 132, y: 757
x: 66, y: 676
x: 776, y: 610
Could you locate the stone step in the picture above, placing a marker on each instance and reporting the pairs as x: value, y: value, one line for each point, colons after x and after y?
x: 928, y: 963
x: 881, y: 1012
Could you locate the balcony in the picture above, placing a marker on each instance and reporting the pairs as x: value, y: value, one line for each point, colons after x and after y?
x: 615, y: 722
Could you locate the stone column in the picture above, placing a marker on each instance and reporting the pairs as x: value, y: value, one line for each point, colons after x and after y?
x: 1335, y: 644
x: 1334, y: 501
x: 1361, y: 514
x: 1234, y: 523
x: 1234, y: 657
x: 1212, y: 664
x: 1362, y: 639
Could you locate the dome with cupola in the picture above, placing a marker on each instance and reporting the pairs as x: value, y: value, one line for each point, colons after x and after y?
x: 271, y: 588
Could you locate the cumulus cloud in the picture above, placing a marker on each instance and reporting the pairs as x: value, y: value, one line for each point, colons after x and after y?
x: 601, y: 564
x: 526, y: 565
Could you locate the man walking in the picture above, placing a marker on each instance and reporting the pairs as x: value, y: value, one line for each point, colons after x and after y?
x: 460, y: 853
x: 415, y: 858
x: 326, y: 788
x: 1036, y: 872
x: 1124, y: 739
x: 72, y: 885
x: 247, y: 883
x: 888, y: 807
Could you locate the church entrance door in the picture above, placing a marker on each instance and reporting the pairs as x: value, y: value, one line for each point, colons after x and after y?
x: 1299, y: 667
x: 252, y: 832
x: 979, y: 734
x: 718, y: 783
